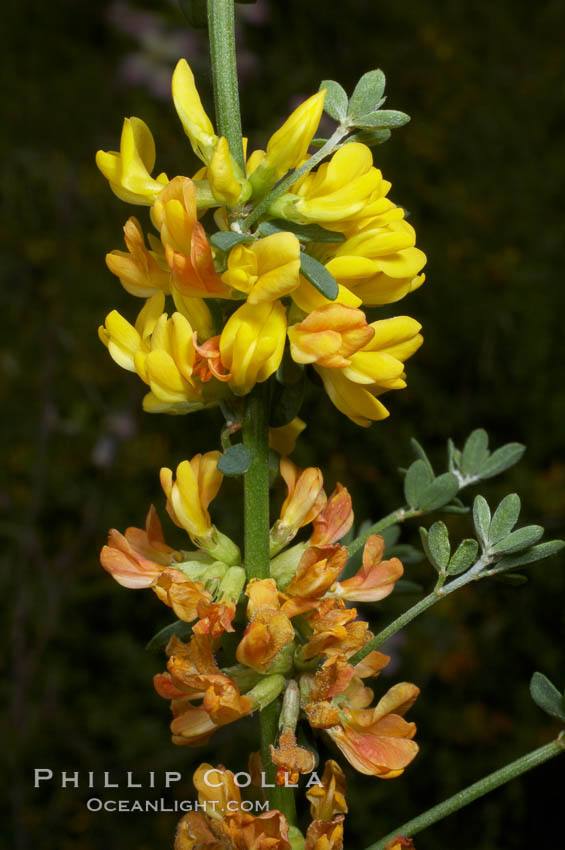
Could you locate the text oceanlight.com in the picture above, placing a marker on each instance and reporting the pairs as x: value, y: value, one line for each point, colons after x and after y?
x: 95, y: 804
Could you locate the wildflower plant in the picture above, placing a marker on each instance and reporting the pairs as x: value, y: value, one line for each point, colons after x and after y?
x: 256, y: 275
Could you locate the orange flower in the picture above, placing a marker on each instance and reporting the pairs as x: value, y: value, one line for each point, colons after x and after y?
x: 181, y: 594
x: 400, y: 842
x: 215, y: 618
x: 195, y: 830
x: 291, y: 760
x: 137, y: 559
x: 335, y: 520
x: 317, y: 570
x: 139, y: 270
x: 304, y: 501
x: 269, y: 629
x: 335, y: 630
x: 268, y: 831
x: 187, y: 250
x: 375, y: 579
x: 216, y: 785
x: 328, y: 799
x: 325, y: 835
x: 328, y: 335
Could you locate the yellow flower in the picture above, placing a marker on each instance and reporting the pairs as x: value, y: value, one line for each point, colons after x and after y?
x: 129, y: 171
x: 283, y: 439
x: 226, y: 181
x: 305, y: 499
x: 252, y: 344
x: 216, y: 785
x: 140, y: 271
x: 124, y: 341
x: 267, y: 269
x: 288, y: 146
x: 379, y: 264
x: 329, y: 336
x: 197, y: 483
x: 188, y: 105
x: 376, y: 368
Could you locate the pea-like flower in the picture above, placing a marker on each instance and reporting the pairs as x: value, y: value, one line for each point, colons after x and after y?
x: 252, y: 344
x: 269, y: 629
x: 266, y: 269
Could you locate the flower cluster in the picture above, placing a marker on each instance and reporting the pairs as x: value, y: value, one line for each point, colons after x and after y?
x: 299, y: 635
x: 242, y: 296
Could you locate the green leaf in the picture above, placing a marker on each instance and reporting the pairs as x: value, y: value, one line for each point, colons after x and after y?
x: 371, y: 138
x: 546, y: 696
x: 384, y: 119
x: 424, y: 537
x: 235, y: 460
x: 451, y: 464
x: 421, y: 454
x: 475, y: 452
x: 441, y: 491
x: 286, y: 403
x: 502, y: 459
x: 368, y: 92
x: 304, y: 232
x: 178, y: 629
x: 417, y: 479
x: 438, y: 544
x: 336, y: 101
x: 531, y: 555
x: 456, y: 507
x: 318, y: 276
x: 504, y: 518
x: 481, y: 518
x: 225, y: 240
x: 519, y: 539
x: 464, y: 556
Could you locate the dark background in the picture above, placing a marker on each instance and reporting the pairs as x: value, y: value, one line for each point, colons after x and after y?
x: 481, y: 170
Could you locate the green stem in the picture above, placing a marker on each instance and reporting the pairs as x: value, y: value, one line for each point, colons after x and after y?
x: 221, y: 28
x: 288, y: 181
x: 256, y: 482
x: 399, y: 515
x: 279, y: 798
x: 473, y: 792
x: 396, y: 625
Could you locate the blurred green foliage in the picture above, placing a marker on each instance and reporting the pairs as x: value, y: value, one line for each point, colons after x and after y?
x: 478, y: 169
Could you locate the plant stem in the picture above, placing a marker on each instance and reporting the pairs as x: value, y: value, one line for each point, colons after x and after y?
x: 473, y: 792
x: 396, y: 625
x: 256, y: 482
x: 221, y: 28
x: 279, y: 797
x: 399, y: 515
x: 291, y: 178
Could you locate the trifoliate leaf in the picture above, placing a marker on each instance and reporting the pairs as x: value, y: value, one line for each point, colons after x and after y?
x: 383, y: 119
x: 531, y: 555
x: 424, y: 537
x: 225, y: 240
x: 304, y: 232
x: 475, y: 452
x: 504, y: 518
x: 546, y: 696
x: 177, y: 629
x: 522, y: 538
x: 235, y: 460
x: 438, y: 544
x: 441, y: 491
x: 502, y: 459
x: 336, y: 101
x: 481, y: 518
x: 368, y: 93
x: 418, y: 477
x: 286, y: 403
x: 318, y: 276
x: 464, y: 556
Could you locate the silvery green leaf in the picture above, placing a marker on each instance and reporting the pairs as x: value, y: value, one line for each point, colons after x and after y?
x: 456, y: 507
x: 531, y: 555
x: 418, y: 477
x: 304, y: 232
x: 475, y: 452
x: 522, y: 538
x: 336, y: 101
x: 464, y: 556
x: 424, y: 537
x: 502, y: 459
x: 178, y: 629
x: 441, y: 491
x: 235, y: 461
x: 438, y: 544
x: 504, y: 518
x: 383, y: 119
x: 546, y: 696
x: 319, y: 276
x: 421, y: 454
x: 368, y: 92
x: 481, y: 518
x: 225, y: 240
